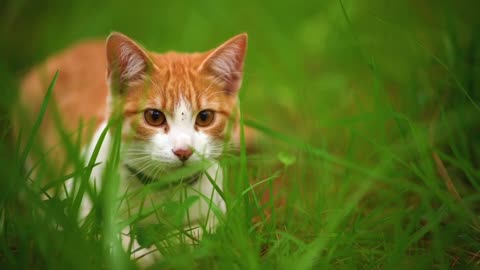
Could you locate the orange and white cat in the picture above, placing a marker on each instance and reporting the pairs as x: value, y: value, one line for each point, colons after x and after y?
x: 175, y: 108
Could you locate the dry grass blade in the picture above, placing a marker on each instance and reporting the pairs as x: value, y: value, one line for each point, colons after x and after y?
x: 443, y: 173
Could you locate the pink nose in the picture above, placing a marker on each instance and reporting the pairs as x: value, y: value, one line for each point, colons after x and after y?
x: 183, y: 153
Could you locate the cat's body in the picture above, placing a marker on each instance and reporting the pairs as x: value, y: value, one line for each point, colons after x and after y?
x: 175, y: 108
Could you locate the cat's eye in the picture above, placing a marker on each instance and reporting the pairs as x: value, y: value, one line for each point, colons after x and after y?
x: 154, y: 117
x: 205, y: 118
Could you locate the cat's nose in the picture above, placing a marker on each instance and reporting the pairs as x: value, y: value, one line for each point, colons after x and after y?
x: 182, y: 153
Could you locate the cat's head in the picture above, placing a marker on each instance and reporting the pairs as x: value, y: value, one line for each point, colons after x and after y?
x: 177, y: 108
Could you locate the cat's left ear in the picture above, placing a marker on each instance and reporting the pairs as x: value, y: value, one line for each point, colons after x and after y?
x: 225, y: 63
x: 127, y: 61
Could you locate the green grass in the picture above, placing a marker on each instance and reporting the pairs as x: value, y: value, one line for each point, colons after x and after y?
x: 369, y: 112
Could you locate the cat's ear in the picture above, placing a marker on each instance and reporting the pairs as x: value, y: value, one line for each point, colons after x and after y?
x: 225, y: 63
x: 127, y: 61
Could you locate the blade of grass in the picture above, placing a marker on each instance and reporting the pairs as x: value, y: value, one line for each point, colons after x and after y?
x: 38, y: 121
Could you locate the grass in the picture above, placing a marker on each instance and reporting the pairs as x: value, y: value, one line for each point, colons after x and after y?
x: 367, y: 111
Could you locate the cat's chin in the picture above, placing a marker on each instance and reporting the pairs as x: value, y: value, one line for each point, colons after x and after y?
x: 173, y: 174
x: 189, y: 167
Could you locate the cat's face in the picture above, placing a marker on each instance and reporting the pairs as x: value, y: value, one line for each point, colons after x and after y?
x: 177, y: 108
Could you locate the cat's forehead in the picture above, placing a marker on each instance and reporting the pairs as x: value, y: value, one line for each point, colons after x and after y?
x: 176, y: 64
x: 177, y: 81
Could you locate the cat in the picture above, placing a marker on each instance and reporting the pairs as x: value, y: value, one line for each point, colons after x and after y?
x: 177, y: 111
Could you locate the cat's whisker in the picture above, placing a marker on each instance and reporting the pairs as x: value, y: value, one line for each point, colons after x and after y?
x: 145, y: 168
x: 137, y: 156
x: 146, y: 154
x: 135, y: 151
x: 137, y: 163
x: 157, y: 172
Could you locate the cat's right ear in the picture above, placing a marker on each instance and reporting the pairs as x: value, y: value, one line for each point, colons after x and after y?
x: 127, y: 62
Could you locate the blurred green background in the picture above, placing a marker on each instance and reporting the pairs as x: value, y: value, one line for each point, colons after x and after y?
x: 377, y: 101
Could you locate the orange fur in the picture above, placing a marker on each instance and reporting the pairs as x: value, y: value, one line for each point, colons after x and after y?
x: 79, y: 95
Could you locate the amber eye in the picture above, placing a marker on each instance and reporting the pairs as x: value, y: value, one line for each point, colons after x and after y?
x: 154, y: 117
x: 204, y: 118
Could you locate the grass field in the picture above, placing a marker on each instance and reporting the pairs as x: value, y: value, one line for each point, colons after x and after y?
x: 369, y: 111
